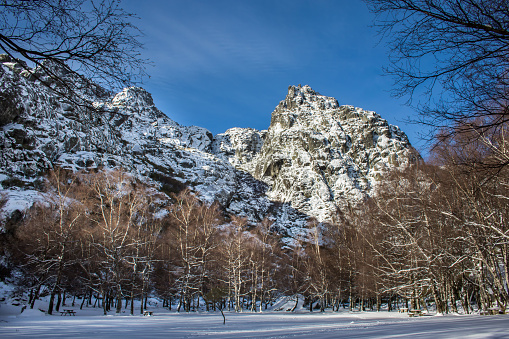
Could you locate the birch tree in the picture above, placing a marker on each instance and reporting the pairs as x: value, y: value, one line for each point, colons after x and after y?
x: 194, y: 227
x: 235, y: 260
x: 115, y: 203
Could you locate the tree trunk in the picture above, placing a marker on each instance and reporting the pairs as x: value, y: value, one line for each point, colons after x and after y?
x: 105, y: 303
x: 296, y: 303
x: 51, y: 302
x: 119, y: 301
x: 83, y: 302
x: 132, y: 304
x: 438, y: 300
x: 31, y: 295
x: 59, y: 300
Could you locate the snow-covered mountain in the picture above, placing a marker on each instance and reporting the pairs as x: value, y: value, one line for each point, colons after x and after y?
x: 315, y: 155
x: 318, y: 155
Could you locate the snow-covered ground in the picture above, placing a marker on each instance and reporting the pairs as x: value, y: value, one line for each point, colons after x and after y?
x: 90, y: 323
x: 276, y: 322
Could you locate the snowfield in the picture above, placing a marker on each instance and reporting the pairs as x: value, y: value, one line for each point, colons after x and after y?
x: 276, y: 322
x: 163, y: 323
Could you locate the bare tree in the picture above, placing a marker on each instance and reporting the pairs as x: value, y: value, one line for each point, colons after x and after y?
x: 116, y: 201
x: 235, y: 261
x: 292, y: 277
x: 48, y: 237
x: 317, y: 265
x: 90, y: 38
x: 145, y: 243
x: 455, y: 53
x: 193, y: 227
x: 264, y: 259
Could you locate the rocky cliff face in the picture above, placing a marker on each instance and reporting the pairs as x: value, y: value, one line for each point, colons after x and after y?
x: 124, y: 130
x: 318, y: 155
x: 315, y: 155
x: 239, y: 146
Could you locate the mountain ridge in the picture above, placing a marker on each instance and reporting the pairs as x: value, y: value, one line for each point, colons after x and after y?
x: 296, y: 169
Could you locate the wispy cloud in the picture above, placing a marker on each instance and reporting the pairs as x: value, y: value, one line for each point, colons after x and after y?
x: 226, y: 63
x: 191, y: 45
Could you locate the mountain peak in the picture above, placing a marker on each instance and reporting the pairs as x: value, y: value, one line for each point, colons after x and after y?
x: 299, y: 90
x: 133, y: 96
x: 302, y: 97
x: 316, y: 154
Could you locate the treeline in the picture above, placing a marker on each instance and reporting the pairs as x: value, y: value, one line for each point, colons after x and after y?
x: 441, y: 229
x: 110, y: 239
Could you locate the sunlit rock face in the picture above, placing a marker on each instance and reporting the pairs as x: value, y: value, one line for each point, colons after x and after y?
x: 315, y: 157
x: 318, y: 155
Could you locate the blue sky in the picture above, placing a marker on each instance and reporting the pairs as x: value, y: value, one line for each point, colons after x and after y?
x: 228, y: 63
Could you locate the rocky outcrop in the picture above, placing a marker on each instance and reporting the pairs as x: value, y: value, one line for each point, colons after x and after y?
x: 124, y: 130
x: 239, y: 146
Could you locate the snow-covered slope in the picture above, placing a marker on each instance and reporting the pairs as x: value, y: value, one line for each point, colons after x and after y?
x: 314, y: 155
